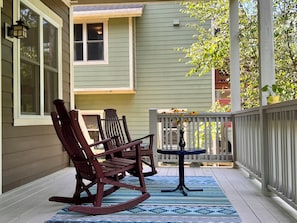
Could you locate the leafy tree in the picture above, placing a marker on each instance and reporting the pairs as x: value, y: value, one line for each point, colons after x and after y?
x: 212, y: 46
x: 285, y: 29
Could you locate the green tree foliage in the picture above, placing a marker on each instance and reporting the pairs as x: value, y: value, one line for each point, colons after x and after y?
x: 211, y: 48
x: 285, y: 36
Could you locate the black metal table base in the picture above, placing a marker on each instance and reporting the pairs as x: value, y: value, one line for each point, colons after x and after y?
x: 181, y: 153
x: 182, y: 189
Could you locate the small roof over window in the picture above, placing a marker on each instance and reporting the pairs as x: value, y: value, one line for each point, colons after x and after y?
x: 108, y: 11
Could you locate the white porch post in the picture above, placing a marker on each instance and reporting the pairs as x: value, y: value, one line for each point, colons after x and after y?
x: 153, y: 129
x: 1, y: 139
x: 71, y: 51
x: 234, y: 54
x: 266, y: 47
x: 234, y: 63
x: 267, y: 75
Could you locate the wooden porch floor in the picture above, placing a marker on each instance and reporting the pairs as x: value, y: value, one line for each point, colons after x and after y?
x: 29, y: 203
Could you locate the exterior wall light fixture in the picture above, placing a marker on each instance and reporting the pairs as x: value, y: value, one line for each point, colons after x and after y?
x: 18, y: 30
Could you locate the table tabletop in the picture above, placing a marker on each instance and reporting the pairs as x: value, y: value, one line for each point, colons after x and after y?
x: 181, y: 152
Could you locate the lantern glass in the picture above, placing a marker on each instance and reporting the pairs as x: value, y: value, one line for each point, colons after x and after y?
x: 19, y: 30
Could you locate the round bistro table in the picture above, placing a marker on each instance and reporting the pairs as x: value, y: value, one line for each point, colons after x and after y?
x: 181, y: 155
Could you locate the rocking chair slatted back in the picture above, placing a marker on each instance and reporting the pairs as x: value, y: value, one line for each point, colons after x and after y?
x: 114, y: 127
x: 79, y: 159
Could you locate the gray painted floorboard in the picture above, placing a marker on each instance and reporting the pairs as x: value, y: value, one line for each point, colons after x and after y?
x: 29, y: 203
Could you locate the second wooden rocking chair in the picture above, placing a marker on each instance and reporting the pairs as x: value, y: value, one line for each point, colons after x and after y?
x: 111, y: 126
x: 96, y: 169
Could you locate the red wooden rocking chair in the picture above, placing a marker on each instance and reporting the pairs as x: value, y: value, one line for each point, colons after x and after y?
x: 111, y: 126
x: 96, y: 169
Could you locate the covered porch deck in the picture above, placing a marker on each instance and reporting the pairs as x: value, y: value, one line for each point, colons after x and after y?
x: 29, y: 203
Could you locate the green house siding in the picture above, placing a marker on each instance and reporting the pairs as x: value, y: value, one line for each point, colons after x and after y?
x: 160, y: 80
x: 115, y: 74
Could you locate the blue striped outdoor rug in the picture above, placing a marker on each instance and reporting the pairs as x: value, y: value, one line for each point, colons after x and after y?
x: 207, y: 206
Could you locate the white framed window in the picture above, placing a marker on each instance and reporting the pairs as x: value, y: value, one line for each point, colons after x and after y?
x: 37, y: 64
x: 90, y: 42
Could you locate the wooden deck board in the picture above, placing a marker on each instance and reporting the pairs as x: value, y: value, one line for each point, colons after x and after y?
x: 229, y: 187
x: 29, y: 203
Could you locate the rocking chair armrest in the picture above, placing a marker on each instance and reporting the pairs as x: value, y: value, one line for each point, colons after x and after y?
x: 119, y: 149
x: 100, y: 142
x: 149, y: 140
x: 144, y: 137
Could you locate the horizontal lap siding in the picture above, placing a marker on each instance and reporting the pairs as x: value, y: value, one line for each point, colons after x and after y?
x: 160, y: 78
x: 115, y: 74
x: 30, y: 152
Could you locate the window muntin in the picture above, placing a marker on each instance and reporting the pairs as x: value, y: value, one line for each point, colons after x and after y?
x: 89, y: 42
x: 38, y: 75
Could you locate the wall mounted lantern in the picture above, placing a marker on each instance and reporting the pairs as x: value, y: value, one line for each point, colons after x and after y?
x: 19, y: 30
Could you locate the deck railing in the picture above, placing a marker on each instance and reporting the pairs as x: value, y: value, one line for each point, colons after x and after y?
x: 262, y: 140
x: 266, y: 145
x: 210, y: 131
x: 248, y: 141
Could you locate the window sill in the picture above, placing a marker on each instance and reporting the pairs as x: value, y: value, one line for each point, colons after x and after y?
x: 31, y: 120
x: 114, y: 91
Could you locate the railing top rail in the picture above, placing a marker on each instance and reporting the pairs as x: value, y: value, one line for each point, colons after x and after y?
x: 278, y: 107
x: 195, y: 114
x: 283, y: 106
x: 251, y: 111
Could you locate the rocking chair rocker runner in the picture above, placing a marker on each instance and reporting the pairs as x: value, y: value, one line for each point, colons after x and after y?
x: 113, y: 127
x: 96, y: 169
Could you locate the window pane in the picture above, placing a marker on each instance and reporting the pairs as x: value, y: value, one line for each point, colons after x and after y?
x: 30, y: 45
x: 78, y: 51
x: 30, y: 63
x: 50, y: 45
x: 78, y: 32
x: 30, y: 91
x: 50, y: 90
x: 95, y: 51
x: 50, y: 50
x: 95, y: 31
x: 78, y: 42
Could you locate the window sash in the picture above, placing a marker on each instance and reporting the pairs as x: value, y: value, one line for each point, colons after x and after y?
x: 90, y: 40
x: 38, y: 64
